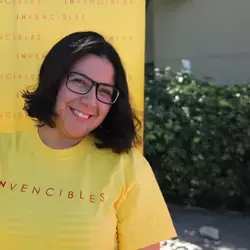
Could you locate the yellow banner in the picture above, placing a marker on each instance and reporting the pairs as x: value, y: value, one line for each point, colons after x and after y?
x: 29, y: 28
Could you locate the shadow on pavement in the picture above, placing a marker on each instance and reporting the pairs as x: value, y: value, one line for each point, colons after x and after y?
x: 234, y: 229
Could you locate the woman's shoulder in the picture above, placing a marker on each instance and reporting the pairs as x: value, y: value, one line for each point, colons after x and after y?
x: 132, y: 157
x: 132, y: 161
x: 6, y: 137
x: 6, y: 142
x: 134, y: 164
x: 11, y: 138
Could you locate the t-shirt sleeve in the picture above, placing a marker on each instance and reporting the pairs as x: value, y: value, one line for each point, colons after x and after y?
x: 143, y: 216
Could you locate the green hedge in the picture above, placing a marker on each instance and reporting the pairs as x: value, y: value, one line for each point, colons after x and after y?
x: 197, y: 138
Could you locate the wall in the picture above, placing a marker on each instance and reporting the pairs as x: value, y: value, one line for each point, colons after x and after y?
x: 149, y: 55
x: 214, y: 35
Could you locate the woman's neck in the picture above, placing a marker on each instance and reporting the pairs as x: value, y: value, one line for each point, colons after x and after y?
x: 55, y: 139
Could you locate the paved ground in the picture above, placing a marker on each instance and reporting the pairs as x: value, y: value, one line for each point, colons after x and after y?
x: 234, y: 229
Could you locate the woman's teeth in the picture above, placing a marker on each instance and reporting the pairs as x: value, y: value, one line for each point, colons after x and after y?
x: 80, y: 114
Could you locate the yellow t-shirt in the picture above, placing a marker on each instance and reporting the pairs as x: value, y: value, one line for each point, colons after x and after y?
x: 78, y: 198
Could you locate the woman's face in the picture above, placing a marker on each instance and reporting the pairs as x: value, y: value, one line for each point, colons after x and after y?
x: 78, y: 114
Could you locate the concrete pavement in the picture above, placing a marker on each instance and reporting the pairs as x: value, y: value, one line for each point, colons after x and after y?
x: 234, y: 229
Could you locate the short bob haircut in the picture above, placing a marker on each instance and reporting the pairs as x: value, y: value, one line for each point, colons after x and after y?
x: 119, y: 129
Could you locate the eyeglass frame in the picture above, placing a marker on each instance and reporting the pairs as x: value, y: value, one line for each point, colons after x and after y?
x: 94, y: 83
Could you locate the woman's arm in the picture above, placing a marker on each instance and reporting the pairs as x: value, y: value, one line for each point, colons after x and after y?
x: 142, y: 214
x: 152, y: 247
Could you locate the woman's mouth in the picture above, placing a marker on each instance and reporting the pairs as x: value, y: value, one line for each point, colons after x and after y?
x: 79, y: 114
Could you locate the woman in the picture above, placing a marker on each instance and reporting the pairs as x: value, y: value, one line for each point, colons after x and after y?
x: 76, y: 180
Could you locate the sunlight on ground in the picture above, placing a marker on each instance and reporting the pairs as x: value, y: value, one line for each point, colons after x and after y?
x: 178, y: 244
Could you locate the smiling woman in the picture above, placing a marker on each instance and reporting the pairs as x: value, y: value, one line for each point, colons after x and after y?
x: 76, y: 180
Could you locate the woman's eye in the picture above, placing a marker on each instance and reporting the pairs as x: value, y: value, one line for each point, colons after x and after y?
x: 106, y: 92
x: 78, y: 81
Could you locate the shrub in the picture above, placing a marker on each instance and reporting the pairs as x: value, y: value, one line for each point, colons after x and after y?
x: 197, y: 140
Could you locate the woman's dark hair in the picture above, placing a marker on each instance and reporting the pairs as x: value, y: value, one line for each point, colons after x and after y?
x: 119, y: 130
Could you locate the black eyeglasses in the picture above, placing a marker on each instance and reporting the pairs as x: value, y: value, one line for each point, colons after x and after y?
x: 81, y: 84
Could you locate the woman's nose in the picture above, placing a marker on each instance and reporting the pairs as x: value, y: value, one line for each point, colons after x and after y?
x: 90, y: 97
